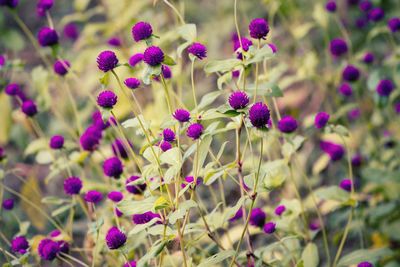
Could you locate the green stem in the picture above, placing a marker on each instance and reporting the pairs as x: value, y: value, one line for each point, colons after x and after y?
x: 192, y: 80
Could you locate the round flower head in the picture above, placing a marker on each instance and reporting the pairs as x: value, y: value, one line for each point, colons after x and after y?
x: 93, y: 196
x: 130, y: 264
x: 114, y: 41
x: 237, y: 216
x: 354, y: 114
x: 90, y: 139
x: 321, y: 119
x: 2, y: 61
x: 8, y: 204
x: 72, y: 185
x: 55, y: 233
x: 238, y: 100
x: 365, y: 5
x: 61, y: 67
x: 257, y: 217
x: 376, y: 14
x: 144, y: 217
x: 2, y: 154
x: 273, y: 47
x: 141, y: 31
x: 246, y: 43
x: 47, y: 37
x: 396, y: 109
x: 71, y: 31
x: 166, y: 72
x: 165, y: 145
x: 136, y: 189
x: 194, y: 131
x: 361, y: 22
x: 357, y: 160
x: 338, y: 47
x: 153, y: 56
x: 394, y: 24
x: 182, y: 115
x: 119, y: 149
x: 330, y: 6
x: 56, y: 142
x: 132, y: 83
x: 259, y: 115
x: 368, y: 58
x: 350, y: 73
x: 63, y: 246
x: 280, y: 209
x: 29, y: 108
x: 269, y: 227
x: 287, y: 124
x: 314, y: 225
x: 107, y: 60
x: 189, y: 180
x: 135, y: 59
x: 112, y: 167
x: 345, y: 184
x: 115, y: 196
x: 345, y: 89
x: 45, y: 4
x: 198, y: 50
x: 334, y: 151
x: 365, y: 264
x: 107, y: 99
x: 9, y: 3
x: 115, y: 238
x: 168, y: 135
x: 12, y: 89
x: 118, y: 212
x: 258, y: 28
x: 48, y: 249
x: 385, y: 87
x: 19, y: 245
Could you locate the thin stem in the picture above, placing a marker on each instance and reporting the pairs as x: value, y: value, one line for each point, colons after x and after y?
x: 182, y: 243
x: 176, y: 11
x: 192, y: 80
x: 74, y: 259
x: 256, y: 78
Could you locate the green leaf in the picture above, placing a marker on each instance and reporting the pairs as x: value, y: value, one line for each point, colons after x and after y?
x: 172, y: 157
x: 150, y: 72
x: 275, y: 172
x: 62, y: 209
x: 139, y: 228
x: 35, y: 146
x: 182, y: 47
x: 154, y: 251
x: 222, y: 65
x: 161, y: 203
x: 203, y: 150
x: 363, y: 255
x: 207, y: 99
x: 149, y: 155
x: 130, y: 207
x: 224, y: 79
x: 260, y: 55
x: 310, y: 255
x: 188, y: 32
x: 169, y: 60
x: 332, y: 193
x: 54, y: 200
x: 181, y: 211
x: 216, y: 258
x: 105, y: 80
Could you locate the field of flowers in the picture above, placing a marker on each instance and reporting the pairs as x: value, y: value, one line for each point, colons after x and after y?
x: 200, y: 133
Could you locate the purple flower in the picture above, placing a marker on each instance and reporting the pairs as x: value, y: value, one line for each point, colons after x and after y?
x: 118, y: 212
x: 61, y: 67
x: 350, y: 73
x: 259, y: 115
x: 107, y: 99
x: 136, y: 189
x: 55, y: 233
x: 345, y: 89
x: 246, y: 43
x: 182, y: 115
x: 112, y: 167
x: 258, y: 28
x: 12, y: 89
x: 115, y: 238
x: 314, y: 225
x: 115, y: 196
x: 287, y: 124
x: 165, y: 146
x: 19, y: 245
x: 114, y: 41
x: 141, y: 31
x: 63, y: 246
x: 93, y: 196
x: 47, y: 36
x: 72, y: 185
x: 144, y: 217
x: 361, y: 22
x: 330, y: 6
x: 352, y: 2
x: 365, y: 264
x: 130, y: 264
x: 365, y: 5
x: 334, y: 151
x: 189, y: 180
x: 273, y: 47
x: 132, y: 83
x: 2, y: 61
x: 280, y: 209
x: 357, y: 160
x: 385, y: 87
x: 269, y: 227
x: 8, y: 204
x: 135, y: 59
x: 90, y: 139
x: 166, y: 72
x: 29, y: 108
x: 56, y: 142
x: 338, y: 47
x: 345, y: 184
x: 257, y: 217
x: 107, y: 60
x: 9, y: 3
x: 195, y: 130
x: 118, y: 148
x: 397, y: 107
x: 354, y: 114
x: 238, y: 100
x: 321, y: 119
x: 45, y: 4
x: 48, y: 249
x: 198, y: 50
x: 153, y: 56
x: 368, y: 58
x: 2, y: 154
x: 394, y: 24
x: 71, y: 31
x: 237, y: 216
x: 376, y: 14
x: 168, y: 135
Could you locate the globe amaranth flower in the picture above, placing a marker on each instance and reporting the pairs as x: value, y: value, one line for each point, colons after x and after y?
x: 2, y: 61
x: 55, y: 233
x: 165, y: 145
x: 385, y: 87
x: 114, y: 41
x: 107, y: 60
x: 45, y: 4
x: 130, y: 264
x: 198, y: 50
x: 119, y: 148
x: 47, y: 37
x: 2, y: 154
x: 29, y: 108
x: 93, y: 196
x: 112, y: 167
x: 144, y: 217
x: 346, y: 185
x: 354, y: 114
x: 376, y: 14
x: 394, y: 24
x: 238, y: 100
x: 48, y: 249
x: 19, y: 245
x: 244, y: 43
x: 72, y: 185
x: 132, y: 83
x: 259, y: 115
x: 115, y: 196
x: 194, y: 131
x: 334, y: 151
x: 12, y: 89
x: 338, y: 47
x: 182, y: 115
x: 118, y: 213
x: 166, y: 72
x: 321, y: 119
x: 330, y: 6
x: 71, y: 31
x: 396, y: 109
x: 135, y: 59
x: 141, y: 31
x: 350, y: 73
x: 107, y: 99
x: 314, y: 225
x: 61, y: 67
x: 90, y: 138
x: 365, y: 5
x: 365, y: 264
x: 269, y: 227
x: 257, y: 217
x: 8, y: 204
x: 357, y: 160
x: 168, y: 135
x: 345, y: 89
x: 258, y: 28
x: 9, y: 3
x: 153, y: 56
x: 56, y: 142
x: 189, y: 181
x: 361, y: 22
x: 368, y: 58
x: 273, y: 47
x: 237, y: 216
x: 280, y: 210
x: 115, y: 238
x: 63, y: 247
x: 287, y: 124
x: 136, y: 189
